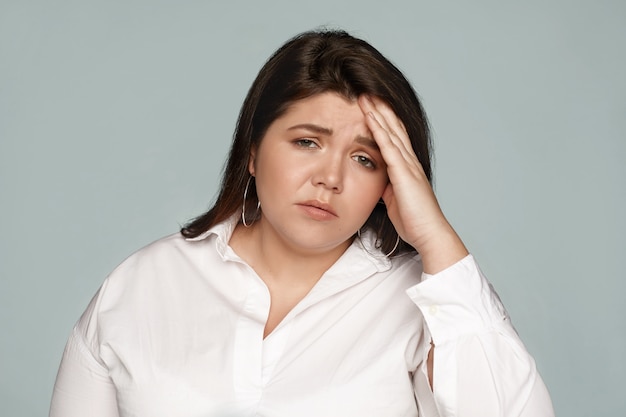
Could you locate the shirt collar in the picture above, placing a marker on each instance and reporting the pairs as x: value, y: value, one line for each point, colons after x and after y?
x: 362, y: 249
x: 222, y: 232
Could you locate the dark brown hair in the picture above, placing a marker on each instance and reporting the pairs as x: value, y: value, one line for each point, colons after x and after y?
x: 312, y: 63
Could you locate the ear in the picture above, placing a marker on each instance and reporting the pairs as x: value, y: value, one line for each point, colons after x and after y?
x: 251, y: 161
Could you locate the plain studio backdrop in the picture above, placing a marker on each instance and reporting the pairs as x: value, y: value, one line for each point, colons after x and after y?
x: 116, y: 116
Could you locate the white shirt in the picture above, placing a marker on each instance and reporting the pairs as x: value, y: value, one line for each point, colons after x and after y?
x: 177, y: 330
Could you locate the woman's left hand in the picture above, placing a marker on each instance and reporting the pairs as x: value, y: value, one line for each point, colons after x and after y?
x: 411, y: 203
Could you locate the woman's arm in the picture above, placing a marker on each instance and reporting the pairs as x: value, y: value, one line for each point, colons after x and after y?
x: 411, y: 203
x: 83, y: 386
x: 477, y: 365
x: 480, y: 366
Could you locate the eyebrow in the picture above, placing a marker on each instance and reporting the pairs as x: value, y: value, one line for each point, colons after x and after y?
x: 367, y: 141
x: 363, y: 140
x: 312, y: 128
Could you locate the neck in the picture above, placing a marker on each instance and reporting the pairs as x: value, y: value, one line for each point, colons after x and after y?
x: 278, y: 262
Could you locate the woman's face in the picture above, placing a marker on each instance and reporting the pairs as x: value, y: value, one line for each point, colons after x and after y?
x: 319, y: 174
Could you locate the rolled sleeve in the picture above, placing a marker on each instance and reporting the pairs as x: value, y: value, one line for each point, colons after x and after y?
x: 481, y: 367
x: 458, y: 301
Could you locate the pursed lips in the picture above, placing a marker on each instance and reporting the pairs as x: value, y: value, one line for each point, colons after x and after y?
x: 319, y: 205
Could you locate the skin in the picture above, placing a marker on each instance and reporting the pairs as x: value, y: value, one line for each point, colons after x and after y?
x: 411, y: 203
x: 320, y: 153
x: 319, y: 174
x: 320, y: 170
x: 410, y: 200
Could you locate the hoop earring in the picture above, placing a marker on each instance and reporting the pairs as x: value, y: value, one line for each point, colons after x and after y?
x: 358, y: 233
x: 243, y: 208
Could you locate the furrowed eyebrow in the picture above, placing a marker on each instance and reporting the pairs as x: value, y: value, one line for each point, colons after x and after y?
x: 363, y: 140
x: 313, y: 128
x: 367, y: 141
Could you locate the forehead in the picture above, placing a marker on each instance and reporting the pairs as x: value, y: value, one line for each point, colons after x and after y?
x: 327, y: 109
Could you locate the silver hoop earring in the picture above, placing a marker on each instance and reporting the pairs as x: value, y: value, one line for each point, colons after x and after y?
x: 394, y: 246
x: 358, y: 233
x: 243, y: 208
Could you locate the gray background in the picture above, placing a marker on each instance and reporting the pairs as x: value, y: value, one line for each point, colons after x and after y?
x: 115, y: 117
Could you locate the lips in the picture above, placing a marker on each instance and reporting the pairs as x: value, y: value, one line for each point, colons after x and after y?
x: 318, y: 208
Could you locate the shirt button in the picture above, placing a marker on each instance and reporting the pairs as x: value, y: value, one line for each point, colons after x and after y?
x: 433, y: 310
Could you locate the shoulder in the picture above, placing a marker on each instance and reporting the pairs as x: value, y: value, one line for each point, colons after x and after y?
x: 171, y: 251
x: 153, y: 281
x: 152, y: 271
x: 164, y: 282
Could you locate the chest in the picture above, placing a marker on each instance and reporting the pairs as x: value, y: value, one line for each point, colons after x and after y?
x: 347, y: 352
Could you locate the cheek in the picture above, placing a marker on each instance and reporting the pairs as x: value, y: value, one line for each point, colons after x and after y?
x: 277, y: 179
x: 366, y: 193
x: 374, y: 185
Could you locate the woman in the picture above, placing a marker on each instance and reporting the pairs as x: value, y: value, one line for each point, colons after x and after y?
x: 325, y: 280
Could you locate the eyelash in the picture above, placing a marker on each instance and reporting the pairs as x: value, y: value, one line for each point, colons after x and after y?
x: 307, y: 143
x: 365, y: 161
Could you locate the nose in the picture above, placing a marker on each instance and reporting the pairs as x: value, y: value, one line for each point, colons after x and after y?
x: 329, y: 174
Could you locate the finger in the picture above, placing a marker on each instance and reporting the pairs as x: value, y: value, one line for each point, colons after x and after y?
x: 389, y: 121
x: 401, y: 164
x: 393, y: 121
x: 382, y: 136
x: 397, y: 135
x: 390, y: 116
x: 404, y: 155
x: 371, y: 107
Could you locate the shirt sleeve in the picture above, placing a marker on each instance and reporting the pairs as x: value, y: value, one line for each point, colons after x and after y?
x: 481, y: 367
x: 83, y: 386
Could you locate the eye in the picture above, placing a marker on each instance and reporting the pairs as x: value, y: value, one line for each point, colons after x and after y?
x: 365, y: 161
x: 305, y: 143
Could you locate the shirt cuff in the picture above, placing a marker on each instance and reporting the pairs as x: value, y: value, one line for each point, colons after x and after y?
x: 458, y: 301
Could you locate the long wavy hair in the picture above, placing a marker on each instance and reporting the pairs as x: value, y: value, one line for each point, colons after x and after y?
x: 311, y: 63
